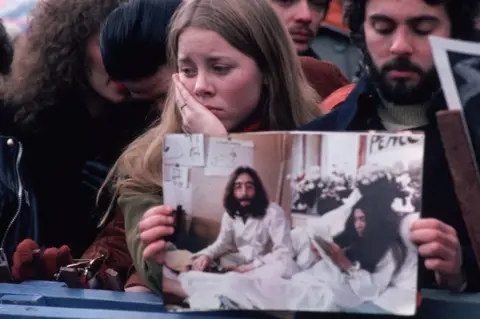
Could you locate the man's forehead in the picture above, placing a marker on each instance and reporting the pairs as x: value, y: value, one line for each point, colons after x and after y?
x: 402, y: 10
x: 244, y: 179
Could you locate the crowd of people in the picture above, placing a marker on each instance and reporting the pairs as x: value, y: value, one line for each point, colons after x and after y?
x: 92, y: 87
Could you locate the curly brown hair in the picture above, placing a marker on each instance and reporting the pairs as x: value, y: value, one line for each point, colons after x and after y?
x: 50, y: 66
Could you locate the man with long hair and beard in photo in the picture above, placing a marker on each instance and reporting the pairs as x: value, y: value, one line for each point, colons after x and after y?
x: 251, y: 224
x: 254, y: 239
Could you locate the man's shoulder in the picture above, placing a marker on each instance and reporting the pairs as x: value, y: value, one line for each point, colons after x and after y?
x: 328, y: 121
x: 325, y: 122
x: 324, y: 77
x: 339, y: 108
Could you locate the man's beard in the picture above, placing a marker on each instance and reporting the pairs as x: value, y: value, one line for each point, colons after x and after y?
x: 399, y: 91
x: 244, y: 210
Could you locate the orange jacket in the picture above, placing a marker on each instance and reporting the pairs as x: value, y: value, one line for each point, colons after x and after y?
x: 335, y: 15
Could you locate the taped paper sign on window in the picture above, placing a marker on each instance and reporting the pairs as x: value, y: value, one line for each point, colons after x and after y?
x: 184, y: 150
x: 225, y: 155
x: 177, y: 175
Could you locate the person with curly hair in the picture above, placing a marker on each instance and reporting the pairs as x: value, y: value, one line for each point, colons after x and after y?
x: 401, y: 91
x: 72, y: 122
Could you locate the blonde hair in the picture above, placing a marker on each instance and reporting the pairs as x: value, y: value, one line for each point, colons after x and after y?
x: 252, y: 27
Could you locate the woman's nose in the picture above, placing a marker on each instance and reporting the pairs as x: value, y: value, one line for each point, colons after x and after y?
x: 203, y: 86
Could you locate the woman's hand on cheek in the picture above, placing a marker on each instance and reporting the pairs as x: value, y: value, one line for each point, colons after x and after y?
x: 196, y: 117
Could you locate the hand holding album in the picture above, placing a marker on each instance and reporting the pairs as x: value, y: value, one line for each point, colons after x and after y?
x: 154, y: 228
x: 438, y: 244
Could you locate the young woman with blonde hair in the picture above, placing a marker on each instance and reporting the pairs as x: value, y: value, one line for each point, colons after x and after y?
x: 237, y: 71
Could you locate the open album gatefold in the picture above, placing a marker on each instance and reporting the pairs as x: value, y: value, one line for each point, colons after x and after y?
x: 290, y: 221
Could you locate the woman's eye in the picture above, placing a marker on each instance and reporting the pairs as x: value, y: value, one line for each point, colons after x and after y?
x: 187, y: 71
x: 221, y: 69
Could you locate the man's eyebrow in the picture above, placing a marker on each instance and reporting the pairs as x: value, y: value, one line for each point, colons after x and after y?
x: 423, y: 18
x: 381, y: 17
x: 247, y: 182
x: 417, y: 19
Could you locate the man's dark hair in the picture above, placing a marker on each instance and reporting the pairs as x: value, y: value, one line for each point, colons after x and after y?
x: 133, y: 38
x: 461, y: 13
x: 259, y: 203
x: 6, y: 50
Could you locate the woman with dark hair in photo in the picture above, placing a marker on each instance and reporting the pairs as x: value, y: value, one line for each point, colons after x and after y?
x: 370, y: 220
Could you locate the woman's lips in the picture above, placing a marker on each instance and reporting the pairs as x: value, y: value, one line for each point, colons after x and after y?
x: 213, y: 109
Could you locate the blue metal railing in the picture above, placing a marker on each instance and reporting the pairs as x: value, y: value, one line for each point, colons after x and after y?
x: 40, y: 299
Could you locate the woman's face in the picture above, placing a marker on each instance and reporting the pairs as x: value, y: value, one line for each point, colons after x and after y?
x: 220, y: 77
x: 359, y: 221
x: 96, y: 74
